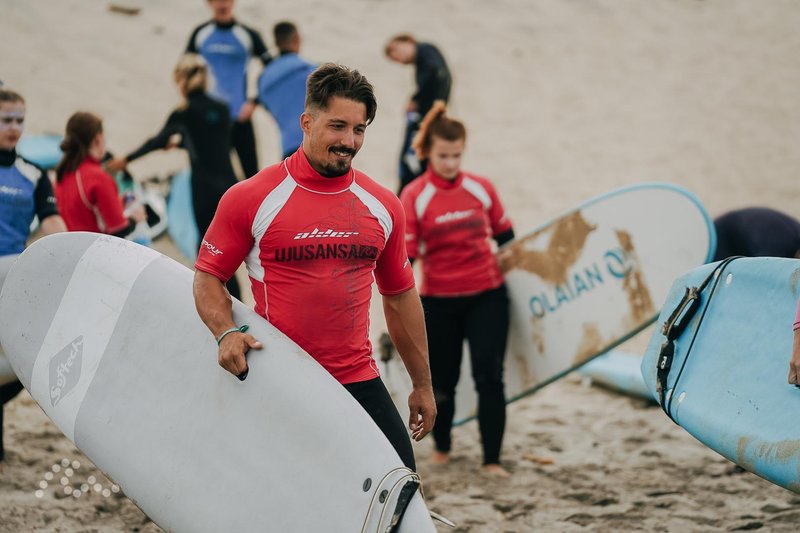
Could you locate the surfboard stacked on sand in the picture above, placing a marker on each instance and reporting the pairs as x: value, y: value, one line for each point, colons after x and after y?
x: 585, y: 282
x: 104, y: 335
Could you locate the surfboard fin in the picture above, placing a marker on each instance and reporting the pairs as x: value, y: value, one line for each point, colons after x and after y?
x: 406, y: 493
x: 443, y: 520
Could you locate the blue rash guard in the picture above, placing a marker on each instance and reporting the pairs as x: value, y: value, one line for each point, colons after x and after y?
x: 282, y: 91
x: 227, y: 48
x: 25, y: 191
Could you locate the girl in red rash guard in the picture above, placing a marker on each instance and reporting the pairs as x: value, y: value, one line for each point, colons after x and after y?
x: 87, y: 197
x: 451, y: 217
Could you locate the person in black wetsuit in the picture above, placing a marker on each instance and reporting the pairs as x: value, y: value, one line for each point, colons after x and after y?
x: 203, y: 125
x: 433, y: 80
x: 757, y: 232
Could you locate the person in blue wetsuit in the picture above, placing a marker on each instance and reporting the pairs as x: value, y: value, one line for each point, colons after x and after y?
x: 25, y: 192
x: 228, y: 46
x: 433, y: 80
x: 282, y: 86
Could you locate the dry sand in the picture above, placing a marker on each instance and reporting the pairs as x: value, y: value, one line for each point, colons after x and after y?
x: 564, y: 100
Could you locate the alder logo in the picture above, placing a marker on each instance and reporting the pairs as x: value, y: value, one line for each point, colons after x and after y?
x: 317, y: 234
x: 454, y: 215
x: 211, y: 248
x: 65, y: 370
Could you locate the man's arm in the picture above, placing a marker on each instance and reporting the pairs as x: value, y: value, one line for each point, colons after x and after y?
x: 214, y: 306
x: 406, y: 325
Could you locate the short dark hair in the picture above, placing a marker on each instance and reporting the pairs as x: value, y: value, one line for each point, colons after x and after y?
x: 399, y: 38
x: 331, y: 80
x: 7, y: 95
x: 284, y: 32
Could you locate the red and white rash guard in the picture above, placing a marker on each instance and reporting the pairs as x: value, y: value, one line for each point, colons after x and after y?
x: 88, y: 200
x: 449, y: 224
x: 311, y: 245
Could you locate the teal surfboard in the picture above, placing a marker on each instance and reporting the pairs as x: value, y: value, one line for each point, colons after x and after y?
x: 725, y: 374
x: 182, y: 227
x: 619, y: 371
x: 42, y: 150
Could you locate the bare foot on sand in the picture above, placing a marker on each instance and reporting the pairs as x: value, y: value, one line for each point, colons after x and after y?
x: 440, y: 458
x: 495, y: 470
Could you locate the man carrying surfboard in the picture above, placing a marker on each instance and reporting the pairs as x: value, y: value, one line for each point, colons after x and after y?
x: 314, y: 233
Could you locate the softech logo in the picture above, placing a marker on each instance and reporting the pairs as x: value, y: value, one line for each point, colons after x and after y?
x: 317, y: 234
x: 65, y: 370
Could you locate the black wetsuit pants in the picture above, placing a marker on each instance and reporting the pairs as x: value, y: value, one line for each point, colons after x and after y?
x: 7, y: 393
x: 375, y: 399
x: 243, y: 140
x: 483, y: 320
x: 410, y: 167
x: 205, y: 198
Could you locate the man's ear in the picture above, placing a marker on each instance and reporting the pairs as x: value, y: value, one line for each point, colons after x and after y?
x: 305, y: 121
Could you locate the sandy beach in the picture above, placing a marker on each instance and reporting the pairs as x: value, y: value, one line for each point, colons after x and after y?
x: 564, y: 100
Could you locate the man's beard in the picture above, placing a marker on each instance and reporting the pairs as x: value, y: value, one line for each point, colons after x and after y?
x: 335, y: 168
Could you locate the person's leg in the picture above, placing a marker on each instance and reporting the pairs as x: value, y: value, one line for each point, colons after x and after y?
x: 444, y: 322
x: 243, y: 140
x: 487, y: 327
x: 205, y: 203
x: 410, y: 167
x: 7, y: 393
x: 375, y: 399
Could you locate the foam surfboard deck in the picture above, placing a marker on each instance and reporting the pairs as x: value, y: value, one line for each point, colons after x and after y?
x: 182, y: 227
x: 727, y: 385
x: 115, y: 354
x: 7, y: 374
x: 619, y: 371
x: 585, y: 282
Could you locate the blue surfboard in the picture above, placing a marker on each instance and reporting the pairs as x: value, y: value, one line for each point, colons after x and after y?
x: 723, y: 378
x: 42, y: 150
x: 619, y: 371
x: 180, y: 213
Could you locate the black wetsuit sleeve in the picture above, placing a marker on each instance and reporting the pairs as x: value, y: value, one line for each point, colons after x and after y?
x: 504, y: 237
x: 160, y: 139
x: 191, y: 46
x: 43, y: 198
x: 432, y: 77
x: 260, y: 50
x: 126, y: 230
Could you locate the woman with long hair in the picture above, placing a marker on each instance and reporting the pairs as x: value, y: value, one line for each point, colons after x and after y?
x: 87, y: 196
x: 203, y: 125
x: 451, y: 217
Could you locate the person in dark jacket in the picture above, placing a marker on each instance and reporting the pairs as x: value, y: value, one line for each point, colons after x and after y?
x: 433, y: 81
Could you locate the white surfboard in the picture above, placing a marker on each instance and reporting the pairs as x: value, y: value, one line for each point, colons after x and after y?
x: 7, y: 374
x: 585, y: 282
x: 104, y: 335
